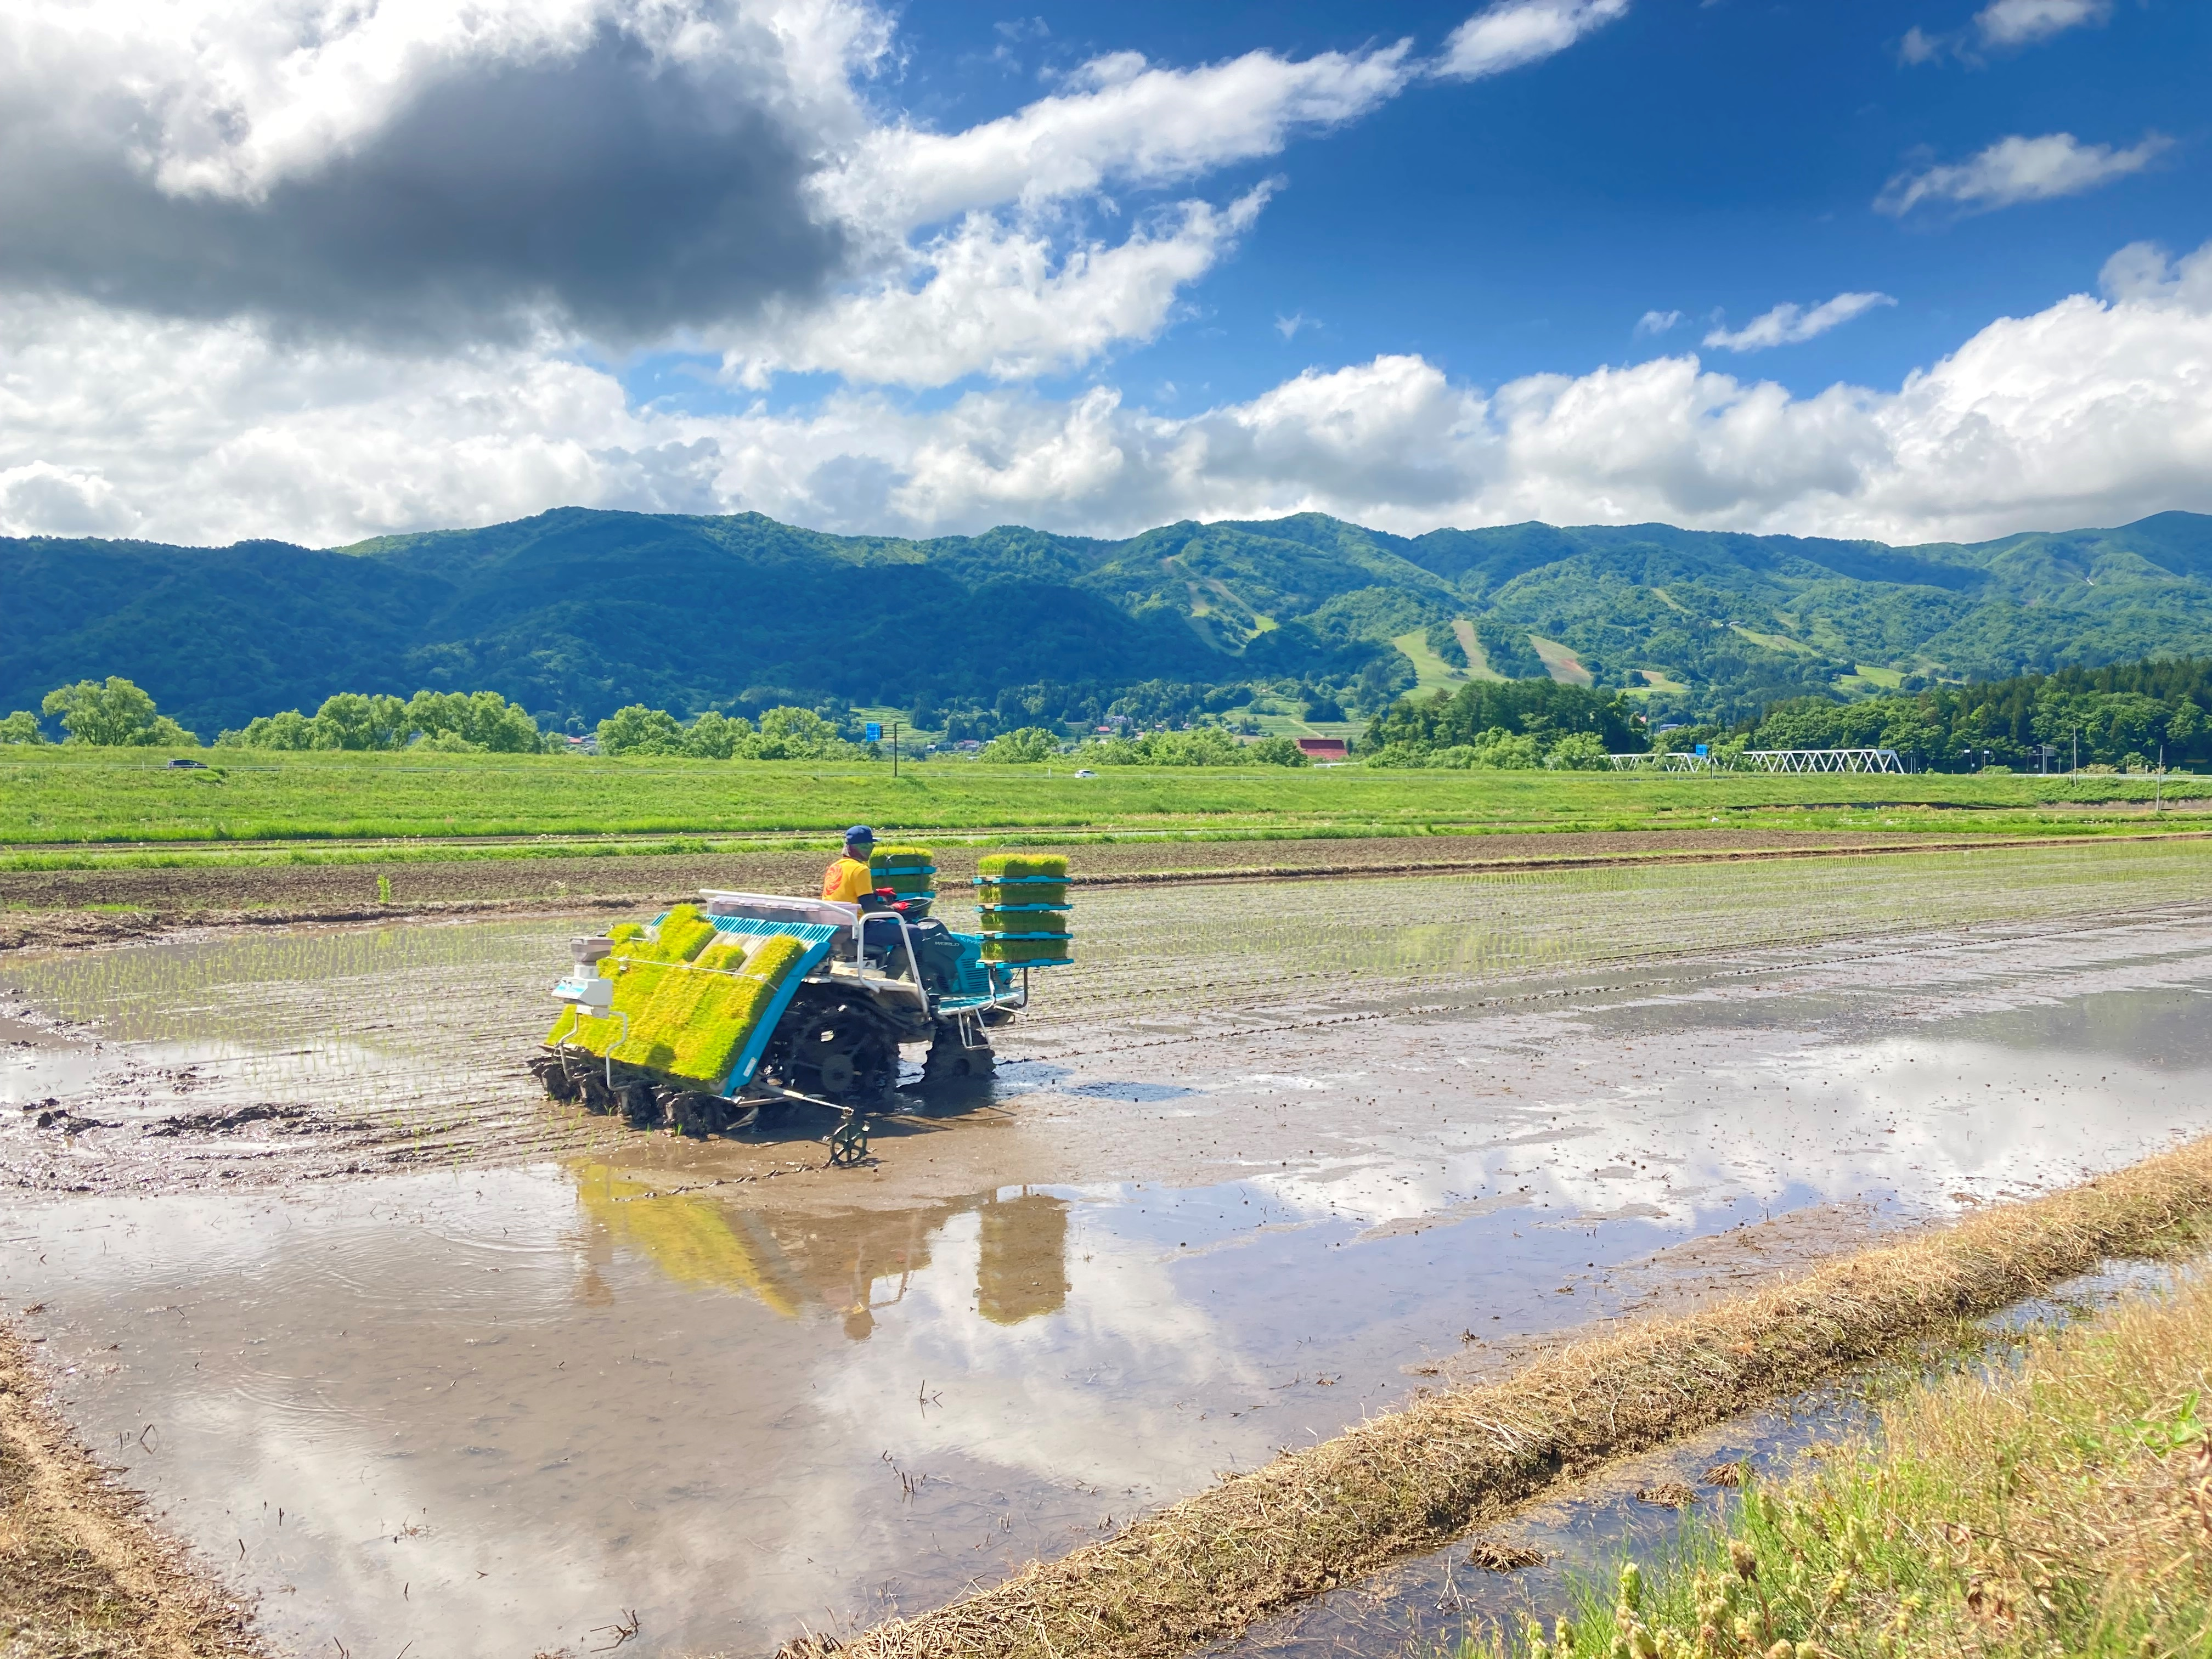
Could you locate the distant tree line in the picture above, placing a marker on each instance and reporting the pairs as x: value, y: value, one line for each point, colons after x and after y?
x: 1151, y: 705
x: 449, y: 722
x: 115, y: 715
x: 1505, y: 726
x: 2122, y: 716
x: 1201, y: 745
x: 789, y: 733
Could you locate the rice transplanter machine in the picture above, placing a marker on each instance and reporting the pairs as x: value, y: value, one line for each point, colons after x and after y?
x: 696, y: 1020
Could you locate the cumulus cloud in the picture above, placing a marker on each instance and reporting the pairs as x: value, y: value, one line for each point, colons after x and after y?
x: 2092, y: 411
x: 1790, y: 324
x: 2016, y: 169
x: 1658, y: 322
x: 1513, y: 33
x: 415, y: 168
x: 1117, y: 121
x: 622, y: 175
x: 997, y: 301
x: 2025, y: 22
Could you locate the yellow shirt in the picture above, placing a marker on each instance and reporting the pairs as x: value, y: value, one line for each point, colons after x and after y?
x: 846, y: 880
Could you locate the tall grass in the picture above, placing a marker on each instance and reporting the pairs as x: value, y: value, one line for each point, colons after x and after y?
x: 2063, y: 1506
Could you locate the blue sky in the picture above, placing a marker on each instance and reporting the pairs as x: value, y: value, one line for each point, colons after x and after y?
x: 303, y: 268
x: 1688, y: 158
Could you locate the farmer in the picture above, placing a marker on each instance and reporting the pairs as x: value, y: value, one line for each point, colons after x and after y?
x: 848, y: 879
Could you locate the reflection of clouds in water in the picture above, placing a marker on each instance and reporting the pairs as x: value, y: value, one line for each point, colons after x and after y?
x: 1088, y: 1393
x: 735, y: 1374
x: 1743, y: 1114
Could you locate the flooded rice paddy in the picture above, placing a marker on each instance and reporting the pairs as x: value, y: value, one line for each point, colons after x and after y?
x: 417, y: 1357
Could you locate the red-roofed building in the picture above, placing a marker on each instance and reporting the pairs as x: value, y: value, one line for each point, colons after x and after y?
x: 1322, y: 749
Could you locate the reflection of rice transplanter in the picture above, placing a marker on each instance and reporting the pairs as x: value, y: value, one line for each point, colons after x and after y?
x: 696, y: 1020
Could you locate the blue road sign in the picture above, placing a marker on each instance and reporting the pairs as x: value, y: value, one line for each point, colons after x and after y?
x: 875, y: 731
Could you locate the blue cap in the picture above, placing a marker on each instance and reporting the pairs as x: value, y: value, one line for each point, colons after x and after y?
x: 858, y: 832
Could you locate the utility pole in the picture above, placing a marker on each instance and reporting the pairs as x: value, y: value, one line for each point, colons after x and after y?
x: 895, y: 726
x: 2157, y: 789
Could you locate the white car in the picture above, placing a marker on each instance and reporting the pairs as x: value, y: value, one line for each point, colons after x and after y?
x: 1085, y: 772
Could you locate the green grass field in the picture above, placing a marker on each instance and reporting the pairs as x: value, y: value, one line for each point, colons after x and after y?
x: 58, y: 800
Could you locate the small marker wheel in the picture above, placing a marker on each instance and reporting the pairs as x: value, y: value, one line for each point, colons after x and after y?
x: 848, y: 1143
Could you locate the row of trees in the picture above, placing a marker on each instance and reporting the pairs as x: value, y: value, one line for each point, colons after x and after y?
x: 119, y: 714
x: 782, y: 734
x: 2124, y: 715
x: 1495, y: 748
x: 1148, y: 704
x: 1505, y: 726
x: 458, y: 722
x: 113, y: 715
x: 1203, y: 745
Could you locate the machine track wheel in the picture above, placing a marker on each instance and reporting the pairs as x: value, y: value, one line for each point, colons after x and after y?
x: 836, y: 1048
x: 590, y: 1081
x: 551, y: 1071
x: 950, y: 1060
x: 693, y: 1112
x: 639, y: 1103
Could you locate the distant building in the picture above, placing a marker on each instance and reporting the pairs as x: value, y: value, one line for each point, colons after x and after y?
x: 1324, y: 749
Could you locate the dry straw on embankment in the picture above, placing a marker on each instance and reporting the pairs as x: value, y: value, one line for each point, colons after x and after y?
x: 1203, y: 1569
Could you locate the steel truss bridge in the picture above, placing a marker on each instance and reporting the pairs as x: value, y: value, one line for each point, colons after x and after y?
x: 1766, y: 759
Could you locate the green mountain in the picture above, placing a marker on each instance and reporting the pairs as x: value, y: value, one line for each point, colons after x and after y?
x: 573, y: 613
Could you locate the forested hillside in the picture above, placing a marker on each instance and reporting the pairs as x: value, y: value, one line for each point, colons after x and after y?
x: 575, y: 613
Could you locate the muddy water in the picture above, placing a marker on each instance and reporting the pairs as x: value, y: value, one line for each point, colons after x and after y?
x: 501, y: 1404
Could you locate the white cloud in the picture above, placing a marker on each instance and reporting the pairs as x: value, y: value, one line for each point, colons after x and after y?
x: 1513, y: 33
x: 996, y: 300
x: 1289, y: 326
x: 1918, y: 46
x: 2016, y: 169
x: 2003, y: 25
x: 394, y: 169
x: 1791, y: 325
x: 1119, y: 121
x: 2092, y: 411
x: 2025, y: 22
x: 1658, y: 322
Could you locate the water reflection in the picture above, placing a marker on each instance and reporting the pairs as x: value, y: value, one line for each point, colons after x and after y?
x: 848, y: 1265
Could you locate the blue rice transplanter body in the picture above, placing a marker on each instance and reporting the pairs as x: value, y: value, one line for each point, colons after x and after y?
x: 698, y: 1020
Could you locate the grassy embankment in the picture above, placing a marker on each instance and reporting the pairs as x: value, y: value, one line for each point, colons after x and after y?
x: 2061, y: 1507
x: 1203, y: 1569
x: 58, y: 808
